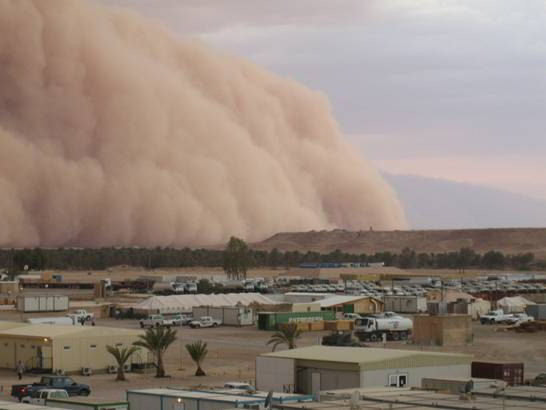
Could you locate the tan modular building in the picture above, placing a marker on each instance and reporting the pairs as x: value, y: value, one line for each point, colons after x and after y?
x: 351, y: 304
x: 311, y: 369
x: 63, y: 347
x: 442, y: 330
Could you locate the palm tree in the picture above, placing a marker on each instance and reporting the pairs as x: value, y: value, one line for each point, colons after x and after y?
x: 157, y: 340
x: 121, y: 356
x: 287, y: 334
x: 198, y: 351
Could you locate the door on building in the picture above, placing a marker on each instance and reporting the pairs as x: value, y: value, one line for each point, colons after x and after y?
x: 398, y: 380
x: 44, y: 358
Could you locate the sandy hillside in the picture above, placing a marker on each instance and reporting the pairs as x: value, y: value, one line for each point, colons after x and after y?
x: 511, y: 241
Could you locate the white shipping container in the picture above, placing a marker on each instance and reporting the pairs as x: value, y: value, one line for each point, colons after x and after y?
x: 42, y: 303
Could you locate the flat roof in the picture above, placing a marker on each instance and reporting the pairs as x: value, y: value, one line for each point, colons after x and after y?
x: 41, y: 330
x: 197, y: 395
x: 277, y: 396
x: 372, y: 358
x: 5, y: 325
x: 10, y: 405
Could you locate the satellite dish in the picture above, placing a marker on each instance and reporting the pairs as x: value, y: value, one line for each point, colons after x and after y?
x: 26, y: 267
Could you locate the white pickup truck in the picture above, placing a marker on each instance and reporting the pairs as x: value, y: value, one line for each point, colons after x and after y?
x: 519, y: 318
x: 495, y: 317
x: 41, y: 396
x: 205, y: 321
x: 156, y: 321
x: 81, y: 315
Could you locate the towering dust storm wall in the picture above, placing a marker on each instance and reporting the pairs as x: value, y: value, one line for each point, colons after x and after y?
x: 113, y: 132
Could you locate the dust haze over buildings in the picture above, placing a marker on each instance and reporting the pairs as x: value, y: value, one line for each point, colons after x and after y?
x: 114, y: 132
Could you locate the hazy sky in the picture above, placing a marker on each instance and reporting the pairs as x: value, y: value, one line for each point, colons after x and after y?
x: 439, y: 88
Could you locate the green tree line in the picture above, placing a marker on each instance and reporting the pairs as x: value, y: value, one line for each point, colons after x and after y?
x: 15, y: 260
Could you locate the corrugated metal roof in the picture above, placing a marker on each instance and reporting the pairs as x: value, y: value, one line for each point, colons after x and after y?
x: 56, y: 331
x: 372, y: 358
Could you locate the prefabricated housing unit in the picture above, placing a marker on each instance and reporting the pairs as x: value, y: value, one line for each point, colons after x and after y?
x: 174, y: 399
x: 229, y: 315
x: 311, y: 369
x: 42, y: 303
x: 405, y: 304
x: 50, y: 348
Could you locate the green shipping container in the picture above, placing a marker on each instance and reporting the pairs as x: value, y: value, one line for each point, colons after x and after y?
x: 271, y: 320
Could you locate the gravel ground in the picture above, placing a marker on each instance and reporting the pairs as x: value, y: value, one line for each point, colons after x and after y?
x: 232, y: 353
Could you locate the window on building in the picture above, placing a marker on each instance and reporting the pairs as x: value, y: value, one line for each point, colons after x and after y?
x: 67, y: 348
x: 119, y: 344
x: 93, y: 346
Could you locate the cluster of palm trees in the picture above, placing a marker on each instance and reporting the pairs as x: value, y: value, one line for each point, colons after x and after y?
x: 157, y: 340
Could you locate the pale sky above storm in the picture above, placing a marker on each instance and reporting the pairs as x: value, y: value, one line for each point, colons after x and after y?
x: 436, y: 88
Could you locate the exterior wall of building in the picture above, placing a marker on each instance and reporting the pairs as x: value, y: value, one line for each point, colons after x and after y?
x: 368, y: 305
x: 274, y: 373
x: 379, y: 378
x: 328, y: 379
x: 443, y: 330
x: 22, y: 348
x: 405, y: 304
x: 231, y: 316
x: 306, y: 307
x: 72, y: 353
x: 144, y: 401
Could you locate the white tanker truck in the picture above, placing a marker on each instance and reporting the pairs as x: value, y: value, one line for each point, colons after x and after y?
x: 371, y: 329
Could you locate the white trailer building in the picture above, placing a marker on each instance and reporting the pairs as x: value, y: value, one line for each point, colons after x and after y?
x: 42, y: 303
x: 311, y: 369
x: 173, y: 399
x: 229, y: 315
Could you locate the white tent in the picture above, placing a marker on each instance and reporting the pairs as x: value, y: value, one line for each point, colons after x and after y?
x: 515, y: 304
x: 478, y: 307
x: 185, y: 303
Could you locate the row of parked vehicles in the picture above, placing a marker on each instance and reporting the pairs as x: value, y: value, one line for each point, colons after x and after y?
x: 489, y: 286
x: 499, y: 317
x: 179, y: 320
x: 49, y: 386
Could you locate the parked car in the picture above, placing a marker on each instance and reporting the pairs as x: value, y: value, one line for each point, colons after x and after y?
x: 205, y: 321
x: 40, y: 396
x: 51, y: 381
x: 156, y: 321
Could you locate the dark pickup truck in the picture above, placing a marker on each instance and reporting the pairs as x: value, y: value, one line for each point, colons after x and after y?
x: 51, y: 382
